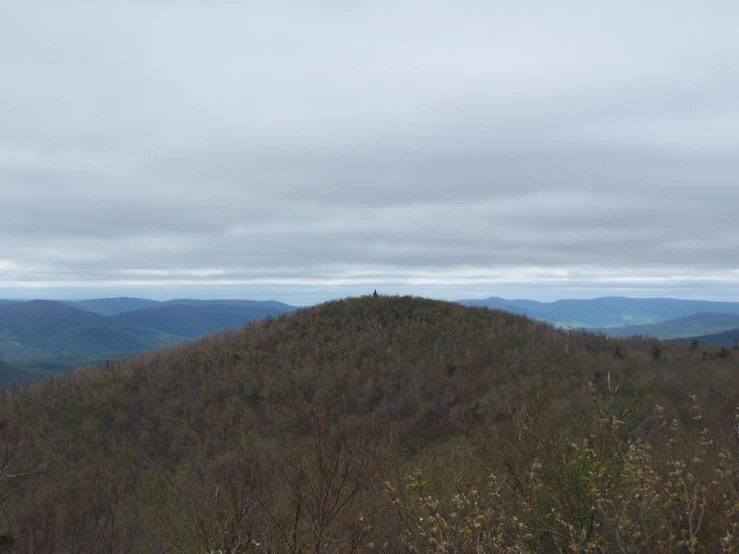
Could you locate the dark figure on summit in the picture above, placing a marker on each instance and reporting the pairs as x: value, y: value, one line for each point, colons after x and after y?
x: 374, y: 294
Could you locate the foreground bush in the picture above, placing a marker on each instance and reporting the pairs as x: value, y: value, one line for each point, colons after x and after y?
x: 611, y: 491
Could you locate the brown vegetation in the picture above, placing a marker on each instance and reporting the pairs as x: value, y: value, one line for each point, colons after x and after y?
x: 379, y: 425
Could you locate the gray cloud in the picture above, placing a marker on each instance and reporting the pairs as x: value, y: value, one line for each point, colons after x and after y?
x: 301, y: 151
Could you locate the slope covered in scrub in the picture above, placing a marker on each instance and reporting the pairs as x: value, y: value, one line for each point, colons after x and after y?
x: 379, y: 425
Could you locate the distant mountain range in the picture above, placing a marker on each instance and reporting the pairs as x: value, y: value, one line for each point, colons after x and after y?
x: 115, y: 306
x: 682, y: 327
x: 47, y: 329
x: 602, y: 313
x: 40, y: 337
x: 729, y: 339
x: 199, y: 318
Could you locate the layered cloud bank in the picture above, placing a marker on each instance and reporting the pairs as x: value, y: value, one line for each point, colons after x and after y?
x: 155, y: 149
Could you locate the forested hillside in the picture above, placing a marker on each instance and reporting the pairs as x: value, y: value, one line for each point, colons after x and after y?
x: 379, y: 425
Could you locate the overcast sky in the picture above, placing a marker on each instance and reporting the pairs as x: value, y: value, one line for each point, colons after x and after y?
x: 307, y: 150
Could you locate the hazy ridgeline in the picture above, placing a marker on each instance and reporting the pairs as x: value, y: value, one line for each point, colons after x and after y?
x: 43, y: 337
x: 379, y: 425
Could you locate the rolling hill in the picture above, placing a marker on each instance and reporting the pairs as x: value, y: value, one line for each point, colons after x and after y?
x: 606, y: 312
x: 42, y: 336
x: 269, y: 306
x: 49, y: 329
x: 114, y: 306
x: 194, y: 319
x: 378, y: 425
x: 728, y: 338
x: 681, y: 327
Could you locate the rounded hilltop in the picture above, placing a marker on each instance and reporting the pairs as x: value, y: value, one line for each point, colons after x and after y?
x: 335, y: 429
